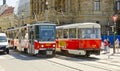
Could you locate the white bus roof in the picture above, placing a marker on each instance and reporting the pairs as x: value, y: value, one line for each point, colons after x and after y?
x: 79, y: 25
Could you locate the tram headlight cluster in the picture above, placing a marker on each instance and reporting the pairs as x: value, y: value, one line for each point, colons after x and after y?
x: 42, y: 46
x: 53, y: 45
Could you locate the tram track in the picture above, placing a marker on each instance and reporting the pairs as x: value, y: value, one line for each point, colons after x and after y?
x: 65, y: 65
x: 107, y: 66
x: 91, y: 62
x: 101, y: 66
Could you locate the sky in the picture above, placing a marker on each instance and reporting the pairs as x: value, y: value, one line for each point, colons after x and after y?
x: 9, y: 2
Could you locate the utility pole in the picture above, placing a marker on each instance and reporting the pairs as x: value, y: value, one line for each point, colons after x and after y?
x: 46, y: 11
x: 115, y: 17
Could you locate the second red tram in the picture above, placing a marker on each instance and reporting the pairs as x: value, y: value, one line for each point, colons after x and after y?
x: 79, y: 39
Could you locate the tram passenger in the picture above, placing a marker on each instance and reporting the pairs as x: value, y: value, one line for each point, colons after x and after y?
x: 65, y: 34
x: 71, y: 35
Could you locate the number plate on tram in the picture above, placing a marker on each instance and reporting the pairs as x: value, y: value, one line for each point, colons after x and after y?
x: 82, y: 52
x: 49, y: 52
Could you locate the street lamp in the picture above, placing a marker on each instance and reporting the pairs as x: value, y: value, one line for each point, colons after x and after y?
x: 22, y: 18
x: 114, y: 17
x: 46, y: 11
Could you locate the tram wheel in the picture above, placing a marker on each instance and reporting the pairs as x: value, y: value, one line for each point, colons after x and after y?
x: 65, y: 52
x: 25, y: 50
x: 15, y: 47
x: 87, y: 55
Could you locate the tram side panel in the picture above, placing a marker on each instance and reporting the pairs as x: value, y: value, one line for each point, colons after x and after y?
x: 79, y: 39
x: 79, y: 47
x: 90, y: 46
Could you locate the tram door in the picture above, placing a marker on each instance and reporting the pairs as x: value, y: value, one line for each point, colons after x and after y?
x: 31, y: 35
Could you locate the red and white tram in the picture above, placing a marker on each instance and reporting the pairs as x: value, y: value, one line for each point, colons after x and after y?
x: 79, y: 39
x: 34, y: 39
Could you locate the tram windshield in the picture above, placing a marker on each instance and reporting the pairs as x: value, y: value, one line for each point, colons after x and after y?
x: 91, y: 33
x: 47, y: 33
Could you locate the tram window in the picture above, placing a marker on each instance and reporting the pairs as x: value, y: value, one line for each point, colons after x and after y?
x: 23, y: 33
x: 37, y: 31
x: 59, y: 34
x: 97, y: 32
x: 72, y: 33
x: 65, y: 33
x: 79, y: 33
x: 31, y: 35
x: 90, y: 33
x: 86, y: 33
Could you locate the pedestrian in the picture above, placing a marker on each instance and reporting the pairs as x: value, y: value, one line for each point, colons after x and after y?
x: 117, y: 45
x: 108, y: 46
x: 105, y: 45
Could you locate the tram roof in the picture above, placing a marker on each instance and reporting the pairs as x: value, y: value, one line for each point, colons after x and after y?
x: 80, y: 25
x: 43, y: 23
x: 38, y: 23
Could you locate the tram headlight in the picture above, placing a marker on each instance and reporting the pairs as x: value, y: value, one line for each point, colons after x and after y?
x: 53, y: 45
x: 42, y: 45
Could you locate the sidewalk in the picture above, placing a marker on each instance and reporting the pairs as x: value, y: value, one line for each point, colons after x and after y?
x: 110, y: 56
x: 111, y: 52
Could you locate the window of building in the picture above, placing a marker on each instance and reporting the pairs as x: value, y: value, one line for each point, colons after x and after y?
x: 97, y: 5
x: 118, y: 4
x: 60, y: 5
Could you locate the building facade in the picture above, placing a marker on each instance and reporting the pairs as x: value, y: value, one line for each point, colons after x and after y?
x: 22, y: 12
x: 7, y: 19
x: 74, y: 11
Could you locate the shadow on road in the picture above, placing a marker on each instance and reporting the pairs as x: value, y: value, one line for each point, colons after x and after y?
x: 76, y: 57
x: 25, y: 56
x: 2, y: 53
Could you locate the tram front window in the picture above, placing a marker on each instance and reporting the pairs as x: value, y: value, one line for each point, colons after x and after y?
x: 47, y: 33
x: 91, y: 33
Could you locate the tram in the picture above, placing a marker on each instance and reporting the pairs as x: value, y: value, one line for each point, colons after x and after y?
x: 34, y: 39
x: 79, y: 39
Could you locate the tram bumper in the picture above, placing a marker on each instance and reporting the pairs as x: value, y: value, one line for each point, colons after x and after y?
x: 93, y: 51
x: 47, y: 51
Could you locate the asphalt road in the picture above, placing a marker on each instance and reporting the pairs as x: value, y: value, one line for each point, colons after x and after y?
x: 16, y: 61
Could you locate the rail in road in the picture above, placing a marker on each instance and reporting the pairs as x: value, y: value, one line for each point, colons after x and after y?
x: 70, y: 62
x: 107, y: 64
